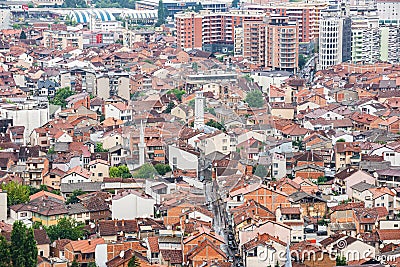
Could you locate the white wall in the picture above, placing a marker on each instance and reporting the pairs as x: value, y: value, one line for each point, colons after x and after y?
x: 131, y: 207
x: 3, y: 205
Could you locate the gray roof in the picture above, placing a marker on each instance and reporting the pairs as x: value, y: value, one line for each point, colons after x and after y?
x: 76, y: 208
x: 361, y: 186
x: 85, y: 187
x: 298, y: 196
x: 342, y: 226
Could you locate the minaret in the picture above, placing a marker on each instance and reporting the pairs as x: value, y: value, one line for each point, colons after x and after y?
x: 142, y: 145
x: 199, y: 110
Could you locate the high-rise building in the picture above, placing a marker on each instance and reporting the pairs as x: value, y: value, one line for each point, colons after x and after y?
x: 281, y: 44
x: 214, y: 32
x: 365, y: 40
x: 335, y: 37
x: 306, y: 15
x: 5, y: 17
x: 199, y: 110
x: 390, y: 44
x: 389, y: 12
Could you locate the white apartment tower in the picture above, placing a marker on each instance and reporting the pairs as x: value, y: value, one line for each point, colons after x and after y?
x: 199, y: 110
x: 142, y: 145
x: 335, y: 38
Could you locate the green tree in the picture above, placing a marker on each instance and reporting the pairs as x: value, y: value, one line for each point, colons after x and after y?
x: 178, y: 93
x: 261, y: 171
x: 99, y: 148
x: 16, y: 193
x: 341, y: 261
x: 120, y: 171
x: 22, y: 35
x: 341, y: 140
x: 91, y: 264
x: 5, y: 254
x: 255, y: 99
x: 23, y: 246
x: 162, y: 169
x: 134, y: 262
x: 211, y: 111
x: 170, y: 106
x: 147, y: 170
x: 161, y: 14
x: 73, y: 198
x: 75, y: 264
x: 66, y: 228
x: 302, y: 61
x: 74, y: 4
x: 60, y: 96
x: 195, y: 66
x: 322, y: 180
x: 30, y: 249
x: 215, y: 124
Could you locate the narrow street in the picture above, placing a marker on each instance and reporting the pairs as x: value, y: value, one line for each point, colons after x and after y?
x: 222, y: 223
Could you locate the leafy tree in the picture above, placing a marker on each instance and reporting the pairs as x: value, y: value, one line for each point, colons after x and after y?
x: 341, y: 140
x: 341, y: 261
x: 23, y: 246
x: 22, y: 35
x: 30, y: 249
x: 147, y: 170
x: 51, y: 151
x: 161, y: 14
x: 134, y: 262
x: 66, y: 228
x: 178, y: 93
x: 16, y: 193
x: 91, y: 264
x: 322, y: 180
x: 75, y: 264
x: 99, y: 148
x: 215, y: 124
x: 162, y: 169
x: 16, y: 26
x: 74, y: 3
x: 261, y: 171
x: 255, y: 99
x: 211, y: 111
x: 302, y: 61
x: 170, y: 106
x: 120, y: 171
x: 60, y: 96
x: 5, y: 253
x: 195, y: 66
x: 73, y: 198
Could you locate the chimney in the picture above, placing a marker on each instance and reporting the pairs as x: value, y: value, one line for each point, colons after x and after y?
x: 89, y: 241
x: 123, y: 222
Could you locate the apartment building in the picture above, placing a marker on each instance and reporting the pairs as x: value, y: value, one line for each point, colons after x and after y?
x: 189, y: 30
x: 62, y: 39
x: 390, y: 43
x: 389, y: 12
x: 281, y: 44
x: 335, y: 37
x: 306, y: 15
x: 365, y: 40
x: 212, y: 31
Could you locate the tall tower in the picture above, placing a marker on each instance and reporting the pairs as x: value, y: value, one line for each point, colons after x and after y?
x: 141, y: 145
x: 199, y: 110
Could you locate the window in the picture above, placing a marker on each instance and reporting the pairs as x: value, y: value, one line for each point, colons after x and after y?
x: 224, y: 148
x: 24, y: 214
x: 100, y: 174
x: 396, y: 225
